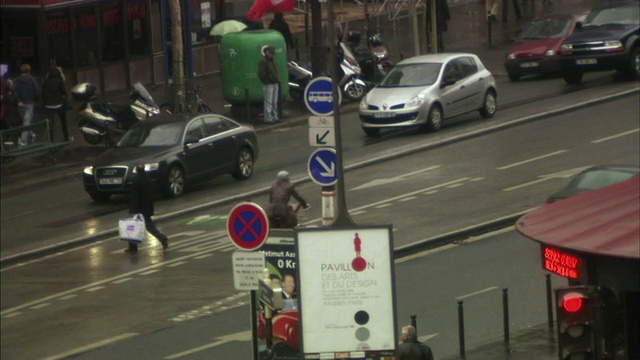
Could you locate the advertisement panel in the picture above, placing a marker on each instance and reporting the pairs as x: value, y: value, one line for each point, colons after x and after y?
x: 347, y: 298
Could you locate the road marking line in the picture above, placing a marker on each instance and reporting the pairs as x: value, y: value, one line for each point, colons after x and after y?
x: 453, y: 186
x: 476, y: 179
x: 94, y: 289
x: 240, y: 336
x: 408, y: 198
x: 93, y: 346
x: 178, y: 264
x: 70, y: 296
x: 382, y: 206
x: 615, y: 136
x: 526, y: 184
x: 531, y: 160
x: 8, y: 316
x: 122, y: 280
x: 40, y: 306
x: 491, y: 288
x: 203, y: 256
x: 430, y: 192
x: 150, y: 272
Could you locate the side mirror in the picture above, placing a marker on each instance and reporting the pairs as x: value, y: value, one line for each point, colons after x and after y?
x: 190, y: 139
x: 447, y: 81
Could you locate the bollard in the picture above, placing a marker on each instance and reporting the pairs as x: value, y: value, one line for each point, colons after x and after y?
x: 247, y: 103
x: 505, y: 313
x: 413, y: 323
x: 401, y: 55
x: 461, y: 328
x: 549, y: 301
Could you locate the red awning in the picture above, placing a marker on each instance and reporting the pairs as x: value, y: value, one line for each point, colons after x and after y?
x: 601, y: 222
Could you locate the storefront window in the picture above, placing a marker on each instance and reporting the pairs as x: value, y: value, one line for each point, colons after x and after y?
x: 138, y: 27
x: 113, y: 32
x: 58, y: 30
x: 202, y: 19
x: 20, y: 41
x: 86, y: 31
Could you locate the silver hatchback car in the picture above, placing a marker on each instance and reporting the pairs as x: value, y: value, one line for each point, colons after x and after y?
x: 424, y: 90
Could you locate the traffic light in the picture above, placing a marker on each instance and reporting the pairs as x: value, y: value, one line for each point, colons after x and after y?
x: 578, y: 311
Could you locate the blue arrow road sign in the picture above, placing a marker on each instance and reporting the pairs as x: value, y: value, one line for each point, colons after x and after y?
x: 322, y: 167
x: 318, y: 96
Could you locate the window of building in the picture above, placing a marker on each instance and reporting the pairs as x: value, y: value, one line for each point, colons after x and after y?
x: 138, y: 23
x: 113, y: 32
x: 58, y: 30
x: 20, y: 40
x: 85, y: 24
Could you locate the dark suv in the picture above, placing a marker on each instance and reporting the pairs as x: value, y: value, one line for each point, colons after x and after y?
x: 608, y: 39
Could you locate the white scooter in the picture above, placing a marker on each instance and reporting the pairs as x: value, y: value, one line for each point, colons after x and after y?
x: 351, y: 83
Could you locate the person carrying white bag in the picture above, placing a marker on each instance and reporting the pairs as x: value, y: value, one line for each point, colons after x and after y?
x: 141, y: 202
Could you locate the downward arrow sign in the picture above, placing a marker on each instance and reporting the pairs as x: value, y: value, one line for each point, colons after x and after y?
x: 320, y: 139
x: 330, y: 171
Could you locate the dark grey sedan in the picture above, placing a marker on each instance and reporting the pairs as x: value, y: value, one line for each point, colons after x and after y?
x: 595, y: 177
x: 176, y: 150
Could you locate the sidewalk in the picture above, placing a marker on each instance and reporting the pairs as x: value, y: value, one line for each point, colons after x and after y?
x: 467, y: 33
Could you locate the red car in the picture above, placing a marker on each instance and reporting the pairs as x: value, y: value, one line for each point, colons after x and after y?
x: 536, y: 50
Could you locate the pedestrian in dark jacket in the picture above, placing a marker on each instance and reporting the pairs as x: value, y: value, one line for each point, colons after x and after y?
x: 278, y: 23
x: 411, y: 348
x: 141, y: 202
x: 8, y: 103
x: 54, y: 98
x: 279, y: 211
x: 26, y: 90
x: 268, y: 75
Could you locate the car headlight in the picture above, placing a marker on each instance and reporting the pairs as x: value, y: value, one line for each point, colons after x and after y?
x: 550, y: 52
x: 88, y: 170
x: 613, y: 44
x: 566, y: 47
x: 416, y: 101
x: 148, y: 167
x: 363, y: 104
x: 511, y: 56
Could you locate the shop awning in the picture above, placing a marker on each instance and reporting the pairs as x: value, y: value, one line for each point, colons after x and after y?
x: 601, y: 222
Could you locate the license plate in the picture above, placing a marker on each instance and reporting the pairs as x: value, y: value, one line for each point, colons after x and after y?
x: 586, y: 61
x: 530, y: 64
x: 111, y: 181
x: 384, y: 115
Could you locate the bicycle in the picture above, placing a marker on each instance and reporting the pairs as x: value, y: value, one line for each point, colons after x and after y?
x: 192, y: 99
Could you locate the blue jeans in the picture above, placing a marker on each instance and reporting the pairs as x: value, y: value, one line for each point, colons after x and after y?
x: 27, y: 119
x: 270, y: 93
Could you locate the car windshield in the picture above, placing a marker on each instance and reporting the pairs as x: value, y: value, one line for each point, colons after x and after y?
x: 625, y: 15
x: 147, y: 136
x: 412, y: 75
x: 598, y: 179
x: 547, y: 29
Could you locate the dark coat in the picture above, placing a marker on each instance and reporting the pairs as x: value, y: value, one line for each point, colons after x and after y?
x: 414, y: 350
x: 279, y: 24
x: 141, y: 200
x: 54, y: 92
x: 267, y: 71
x: 26, y: 89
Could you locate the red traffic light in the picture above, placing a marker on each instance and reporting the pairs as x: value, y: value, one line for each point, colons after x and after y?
x: 573, y: 302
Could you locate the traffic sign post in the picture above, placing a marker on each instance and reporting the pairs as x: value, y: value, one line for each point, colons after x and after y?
x: 318, y: 96
x: 321, y: 131
x: 322, y: 167
x: 248, y: 226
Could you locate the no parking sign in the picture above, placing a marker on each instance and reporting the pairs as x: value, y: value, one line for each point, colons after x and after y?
x: 248, y: 226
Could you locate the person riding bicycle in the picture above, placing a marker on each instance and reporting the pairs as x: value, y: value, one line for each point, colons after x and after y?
x: 280, y: 213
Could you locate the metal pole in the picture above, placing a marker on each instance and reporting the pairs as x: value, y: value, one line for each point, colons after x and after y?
x: 505, y: 313
x: 414, y: 324
x: 549, y: 301
x: 342, y: 218
x: 461, y: 328
x: 489, y: 31
x: 317, y: 50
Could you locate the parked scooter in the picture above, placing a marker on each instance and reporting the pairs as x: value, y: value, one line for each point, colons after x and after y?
x: 299, y: 77
x: 99, y: 121
x: 366, y: 59
x: 351, y: 83
x: 380, y: 52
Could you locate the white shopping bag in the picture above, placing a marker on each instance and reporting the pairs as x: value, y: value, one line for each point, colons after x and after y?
x: 132, y: 229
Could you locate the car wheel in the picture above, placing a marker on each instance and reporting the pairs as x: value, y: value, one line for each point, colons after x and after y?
x: 572, y: 77
x: 99, y: 197
x: 434, y: 119
x: 489, y: 105
x: 174, y: 185
x: 244, y: 168
x: 513, y: 77
x: 373, y: 132
x: 93, y: 139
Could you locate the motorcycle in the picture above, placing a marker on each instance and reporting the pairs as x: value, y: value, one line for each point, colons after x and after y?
x: 99, y: 121
x: 351, y: 83
x: 299, y: 77
x: 380, y: 52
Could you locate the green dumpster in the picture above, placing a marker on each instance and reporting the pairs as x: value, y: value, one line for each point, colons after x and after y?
x: 240, y: 54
